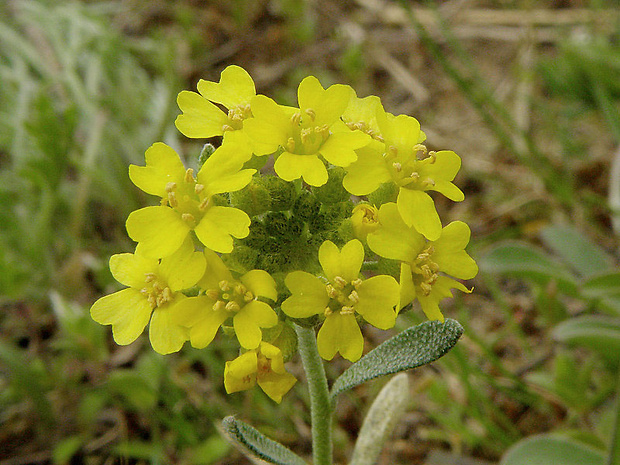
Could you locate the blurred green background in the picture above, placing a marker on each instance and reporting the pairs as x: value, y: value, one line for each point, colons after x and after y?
x: 527, y: 93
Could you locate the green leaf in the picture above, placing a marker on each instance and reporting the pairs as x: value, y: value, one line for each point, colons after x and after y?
x: 528, y: 262
x: 256, y: 445
x: 597, y: 332
x: 551, y: 450
x: 603, y: 285
x: 380, y: 420
x: 585, y: 257
x: 414, y: 347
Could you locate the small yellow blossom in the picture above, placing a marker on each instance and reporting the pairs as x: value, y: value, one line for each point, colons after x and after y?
x: 402, y: 159
x: 422, y: 261
x: 344, y: 296
x: 201, y: 118
x: 364, y: 219
x: 186, y: 203
x: 307, y: 136
x: 225, y: 298
x: 152, y: 294
x: 263, y: 365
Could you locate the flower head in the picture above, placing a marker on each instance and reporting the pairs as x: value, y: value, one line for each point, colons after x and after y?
x: 187, y: 203
x: 308, y: 135
x: 422, y: 261
x: 202, y: 118
x: 152, y: 294
x: 263, y: 365
x: 225, y: 298
x: 341, y: 298
x: 364, y: 219
x: 403, y: 160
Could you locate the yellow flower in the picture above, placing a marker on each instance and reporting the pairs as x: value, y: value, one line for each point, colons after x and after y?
x: 364, y: 219
x: 152, y: 294
x: 225, y: 297
x: 308, y: 135
x: 395, y: 159
x: 344, y: 296
x: 202, y: 118
x: 422, y: 261
x: 187, y: 201
x: 263, y: 365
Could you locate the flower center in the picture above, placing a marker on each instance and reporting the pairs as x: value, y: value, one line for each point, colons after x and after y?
x: 306, y: 138
x: 407, y: 170
x: 156, y: 291
x: 230, y: 296
x: 342, y: 296
x: 236, y: 115
x: 188, y: 199
x: 425, y: 269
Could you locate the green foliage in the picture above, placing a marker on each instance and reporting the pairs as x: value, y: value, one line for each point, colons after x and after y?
x: 552, y: 449
x: 409, y: 349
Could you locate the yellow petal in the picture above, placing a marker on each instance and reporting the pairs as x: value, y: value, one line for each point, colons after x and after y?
x: 130, y: 269
x: 328, y: 104
x: 248, y: 321
x: 166, y: 337
x: 260, y: 283
x: 219, y: 224
x: 200, y: 118
x: 340, y: 333
x: 309, y: 295
x: 127, y: 311
x: 394, y: 239
x: 222, y: 170
x: 236, y: 88
x: 407, y: 288
x: 276, y: 385
x: 163, y: 165
x: 417, y: 209
x: 159, y: 230
x: 240, y: 373
x: 402, y: 131
x: 204, y: 330
x: 368, y: 172
x: 290, y: 166
x: 184, y: 268
x: 216, y: 271
x: 346, y: 263
x: 339, y: 148
x: 377, y: 297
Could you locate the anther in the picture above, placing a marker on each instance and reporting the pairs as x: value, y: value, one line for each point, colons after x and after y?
x: 356, y: 282
x: 240, y: 289
x: 346, y: 310
x: 172, y: 199
x: 311, y: 113
x: 433, y: 156
x: 227, y: 127
x: 392, y: 150
x: 248, y: 297
x: 426, y: 288
x: 219, y: 305
x: 224, y: 285
x: 397, y: 166
x: 188, y: 217
x: 149, y: 277
x: 428, y: 182
x: 198, y: 188
x: 415, y: 175
x: 170, y: 186
x: 290, y: 145
x: 354, y: 297
x: 213, y: 294
x: 296, y: 119
x: 420, y: 148
x: 331, y: 291
x: 328, y: 311
x: 340, y: 282
x: 233, y: 306
x: 202, y: 206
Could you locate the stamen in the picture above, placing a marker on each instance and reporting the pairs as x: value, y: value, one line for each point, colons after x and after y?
x: 340, y: 282
x: 354, y: 297
x: 356, y: 282
x: 227, y: 127
x: 415, y: 175
x: 233, y: 306
x: 172, y: 199
x: 331, y: 291
x: 188, y: 218
x: 189, y: 175
x: 198, y: 188
x: 202, y: 206
x: 241, y: 289
x: 428, y: 182
x: 397, y: 166
x: 224, y: 285
x: 311, y: 113
x: 219, y: 305
x: 426, y: 288
x: 149, y: 277
x: 170, y: 186
x: 212, y: 294
x: 290, y: 145
x: 248, y: 297
x: 296, y: 119
x: 328, y: 311
x: 346, y: 310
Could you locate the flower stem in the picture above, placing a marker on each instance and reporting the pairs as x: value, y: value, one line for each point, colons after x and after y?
x: 320, y: 407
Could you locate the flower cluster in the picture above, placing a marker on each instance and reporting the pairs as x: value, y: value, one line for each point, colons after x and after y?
x: 246, y: 247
